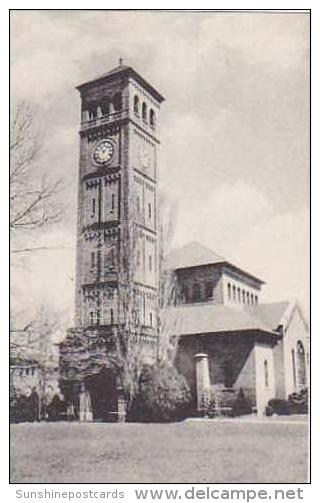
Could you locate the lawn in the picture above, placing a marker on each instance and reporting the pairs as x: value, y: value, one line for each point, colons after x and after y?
x: 191, y: 451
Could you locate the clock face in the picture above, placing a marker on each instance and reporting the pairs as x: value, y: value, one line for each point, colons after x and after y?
x: 103, y: 152
x: 144, y: 156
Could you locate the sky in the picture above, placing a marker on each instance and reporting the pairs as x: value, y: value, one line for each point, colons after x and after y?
x: 234, y: 159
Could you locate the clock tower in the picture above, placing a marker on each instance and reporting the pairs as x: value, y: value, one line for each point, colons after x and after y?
x: 117, y: 202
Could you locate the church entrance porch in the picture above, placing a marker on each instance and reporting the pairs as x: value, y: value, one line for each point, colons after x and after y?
x: 229, y: 364
x: 102, y: 389
x: 98, y: 398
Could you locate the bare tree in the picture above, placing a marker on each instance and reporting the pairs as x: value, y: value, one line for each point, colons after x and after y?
x: 34, y: 343
x: 33, y: 205
x: 32, y: 197
x: 170, y: 295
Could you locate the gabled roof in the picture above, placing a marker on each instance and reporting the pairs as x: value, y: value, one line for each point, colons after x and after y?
x: 123, y: 70
x: 193, y: 319
x: 271, y: 313
x: 195, y: 254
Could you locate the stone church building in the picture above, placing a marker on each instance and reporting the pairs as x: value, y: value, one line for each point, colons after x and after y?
x: 227, y: 338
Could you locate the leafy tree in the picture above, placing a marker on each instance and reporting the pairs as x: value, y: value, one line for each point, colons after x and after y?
x: 164, y: 394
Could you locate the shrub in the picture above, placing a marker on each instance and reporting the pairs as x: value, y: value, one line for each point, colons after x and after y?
x: 230, y: 402
x: 242, y: 404
x: 56, y: 409
x: 23, y: 407
x: 163, y: 395
x: 297, y: 403
x: 278, y: 406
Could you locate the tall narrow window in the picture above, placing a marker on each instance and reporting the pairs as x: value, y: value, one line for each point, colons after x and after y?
x: 111, y: 316
x: 301, y: 365
x: 150, y: 263
x: 105, y: 106
x: 91, y: 317
x: 152, y: 118
x: 117, y: 102
x: 138, y: 257
x: 138, y: 205
x: 93, y: 206
x: 150, y: 319
x: 136, y: 105
x: 92, y: 111
x: 196, y: 292
x: 93, y: 260
x: 252, y: 298
x: 149, y: 210
x: 209, y: 290
x: 234, y: 293
x: 294, y: 372
x: 239, y: 294
x: 112, y: 256
x: 112, y: 202
x: 144, y: 111
x: 186, y: 293
x: 256, y: 299
x: 98, y: 316
x: 229, y: 291
x: 248, y: 298
x: 266, y: 374
x: 243, y: 296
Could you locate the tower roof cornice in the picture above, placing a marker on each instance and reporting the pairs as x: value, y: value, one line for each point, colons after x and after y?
x: 125, y: 72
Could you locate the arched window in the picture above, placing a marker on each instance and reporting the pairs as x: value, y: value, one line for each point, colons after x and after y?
x: 185, y: 291
x: 93, y: 260
x: 229, y: 291
x: 92, y: 109
x: 248, y: 298
x: 152, y: 118
x: 256, y: 299
x: 294, y: 372
x: 239, y: 294
x: 196, y: 292
x: 105, y: 106
x: 144, y: 111
x: 209, y: 290
x: 252, y: 298
x: 117, y: 102
x: 136, y: 104
x: 243, y: 296
x: 234, y: 294
x: 301, y: 365
x: 266, y: 374
x: 112, y: 256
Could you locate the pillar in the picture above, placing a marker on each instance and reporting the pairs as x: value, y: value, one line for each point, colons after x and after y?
x: 85, y: 413
x: 202, y: 377
x: 122, y: 406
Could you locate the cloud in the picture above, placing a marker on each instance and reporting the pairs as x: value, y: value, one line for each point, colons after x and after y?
x: 219, y: 219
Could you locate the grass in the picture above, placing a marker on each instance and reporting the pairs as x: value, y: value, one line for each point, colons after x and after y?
x: 189, y: 452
